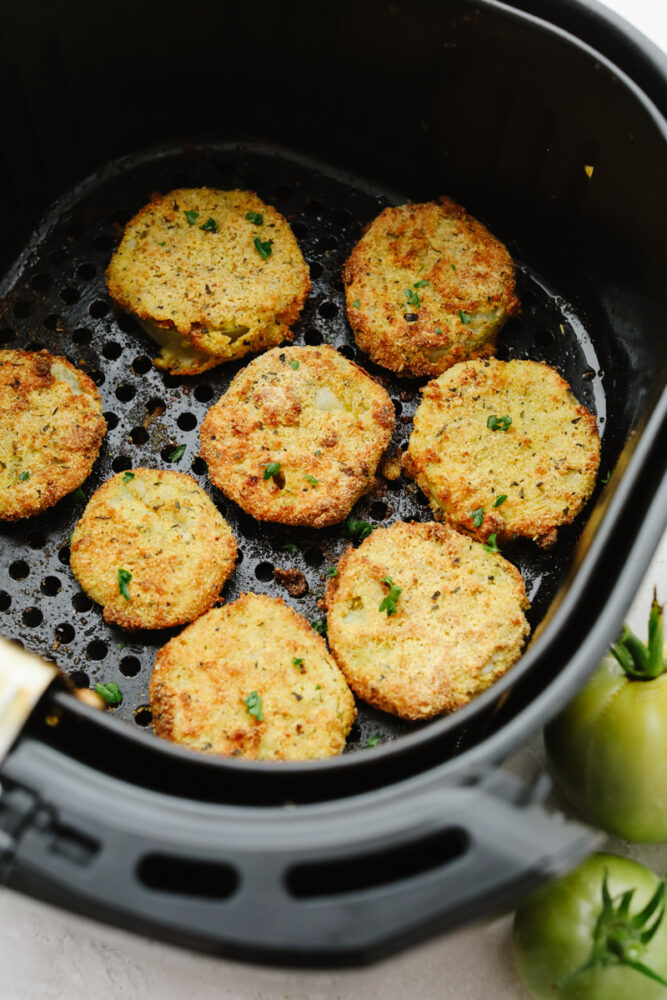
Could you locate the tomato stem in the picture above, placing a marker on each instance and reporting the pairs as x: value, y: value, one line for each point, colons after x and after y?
x: 639, y: 660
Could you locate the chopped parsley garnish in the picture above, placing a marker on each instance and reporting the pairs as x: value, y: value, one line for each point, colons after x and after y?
x: 606, y: 478
x: 256, y: 218
x: 438, y: 330
x: 358, y: 529
x: 477, y: 517
x: 79, y: 496
x: 500, y: 500
x: 318, y: 452
x: 464, y: 317
x: 163, y: 243
x: 298, y: 663
x: 110, y: 692
x: 373, y: 740
x: 210, y: 226
x: 272, y: 469
x: 332, y: 572
x: 453, y: 267
x: 318, y: 687
x: 498, y: 423
x: 388, y: 603
x: 320, y: 626
x: 312, y: 480
x: 254, y: 705
x: 263, y: 248
x: 294, y: 364
x: 289, y: 547
x: 192, y: 217
x: 421, y: 284
x: 412, y: 297
x: 177, y: 453
x: 356, y: 303
x: 127, y: 476
x: 491, y: 544
x: 124, y: 577
x: 24, y: 476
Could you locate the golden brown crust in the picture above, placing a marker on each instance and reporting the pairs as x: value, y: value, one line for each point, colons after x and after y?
x: 51, y: 429
x: 255, y: 646
x: 189, y: 267
x: 318, y: 415
x: 545, y: 463
x: 458, y: 624
x: 161, y: 528
x: 443, y: 270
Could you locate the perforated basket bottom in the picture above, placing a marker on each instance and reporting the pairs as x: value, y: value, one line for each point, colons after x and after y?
x: 55, y: 298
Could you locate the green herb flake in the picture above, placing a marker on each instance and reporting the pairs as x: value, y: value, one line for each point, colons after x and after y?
x: 294, y: 364
x: 320, y: 626
x: 318, y: 452
x: 373, y: 740
x: 498, y: 423
x: 124, y: 577
x: 389, y: 602
x: 24, y: 476
x: 110, y: 692
x: 318, y: 687
x: 477, y: 517
x: 177, y: 453
x: 192, y: 217
x: 289, y: 547
x: 271, y: 470
x: 438, y: 330
x: 412, y: 297
x: 332, y: 572
x: 356, y: 303
x: 254, y: 705
x: 358, y: 529
x: 127, y: 477
x: 79, y: 496
x: 298, y: 663
x: 210, y: 226
x: 491, y: 544
x: 453, y: 267
x: 465, y: 318
x: 256, y: 218
x: 421, y: 284
x: 263, y: 248
x: 606, y: 479
x: 500, y: 500
x: 312, y: 480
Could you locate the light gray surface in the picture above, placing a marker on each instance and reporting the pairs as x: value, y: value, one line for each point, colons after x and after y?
x: 46, y: 954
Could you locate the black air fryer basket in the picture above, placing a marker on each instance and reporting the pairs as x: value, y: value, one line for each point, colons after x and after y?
x: 551, y: 132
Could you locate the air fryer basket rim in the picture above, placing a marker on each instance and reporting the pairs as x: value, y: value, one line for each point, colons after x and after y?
x: 569, y: 676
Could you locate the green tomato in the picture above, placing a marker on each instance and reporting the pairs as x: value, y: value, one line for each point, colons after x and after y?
x: 608, y: 751
x: 571, y: 945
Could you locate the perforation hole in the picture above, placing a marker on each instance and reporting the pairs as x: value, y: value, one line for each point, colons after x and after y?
x: 32, y: 617
x: 7, y: 335
x: 203, y: 393
x: 314, y: 208
x: 63, y: 555
x: 187, y: 421
x: 379, y: 511
x: 125, y: 392
x: 22, y: 309
x: 79, y: 678
x: 314, y: 557
x: 328, y: 310
x: 104, y: 242
x: 172, y: 381
x: 316, y: 270
x: 130, y: 666
x: 126, y: 323
x: 35, y: 345
x: 81, y: 603
x: 98, y: 377
x: 299, y: 230
x: 50, y: 586
x: 156, y: 407
x: 141, y: 365
x: 86, y: 272
x: 82, y: 336
x: 143, y: 716
x: 112, y: 350
x: 19, y: 569
x: 36, y: 540
x: 168, y: 451
x: 348, y: 352
x: 98, y: 309
x: 138, y: 435
x: 112, y: 420
x: 313, y: 338
x: 264, y: 571
x: 199, y: 467
x: 64, y: 633
x: 121, y: 463
x: 96, y: 650
x: 70, y: 295
x: 40, y: 282
x: 53, y: 322
x: 5, y: 601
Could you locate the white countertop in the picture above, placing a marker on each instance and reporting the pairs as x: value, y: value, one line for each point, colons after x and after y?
x: 46, y: 954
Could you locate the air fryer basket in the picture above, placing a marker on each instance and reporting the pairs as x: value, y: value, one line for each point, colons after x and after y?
x: 330, y: 114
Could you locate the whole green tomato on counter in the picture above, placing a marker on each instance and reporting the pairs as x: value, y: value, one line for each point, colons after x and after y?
x: 608, y: 747
x: 599, y: 933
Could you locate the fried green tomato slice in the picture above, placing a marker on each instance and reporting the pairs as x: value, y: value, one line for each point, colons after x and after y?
x: 421, y: 619
x: 298, y: 436
x: 152, y: 548
x: 504, y: 448
x: 251, y: 679
x: 51, y: 429
x: 428, y: 286
x: 212, y: 275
